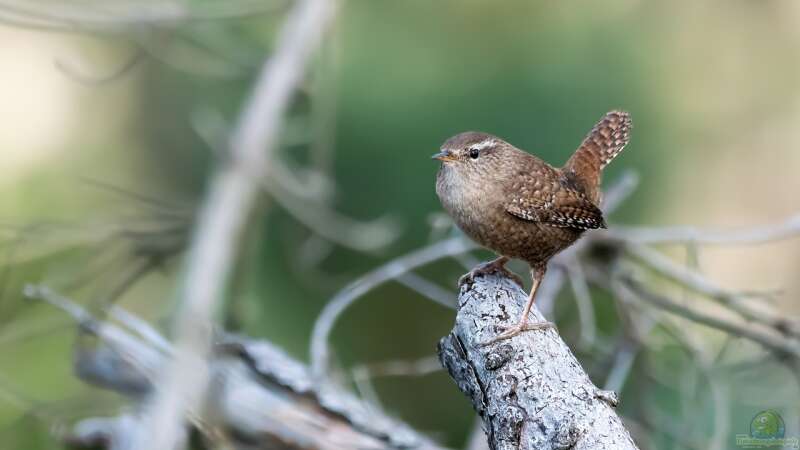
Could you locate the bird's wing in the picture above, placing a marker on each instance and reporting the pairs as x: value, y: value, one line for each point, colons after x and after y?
x: 560, y: 206
x: 576, y: 211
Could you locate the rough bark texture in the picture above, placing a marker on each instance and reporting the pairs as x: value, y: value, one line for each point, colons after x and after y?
x: 530, y: 390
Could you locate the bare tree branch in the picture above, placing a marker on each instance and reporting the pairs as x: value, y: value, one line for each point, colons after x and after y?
x: 393, y: 269
x: 227, y: 206
x: 696, y: 282
x: 122, y: 16
x: 304, y: 199
x: 260, y: 397
x: 767, y: 337
x: 583, y: 298
x: 680, y: 235
x: 530, y: 390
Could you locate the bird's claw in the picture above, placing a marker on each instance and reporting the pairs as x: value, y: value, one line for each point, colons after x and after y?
x: 517, y: 329
x: 489, y: 268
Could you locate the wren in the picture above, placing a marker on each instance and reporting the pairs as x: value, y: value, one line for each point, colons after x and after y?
x: 519, y: 206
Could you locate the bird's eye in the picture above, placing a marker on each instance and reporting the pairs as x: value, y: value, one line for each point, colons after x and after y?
x: 473, y: 153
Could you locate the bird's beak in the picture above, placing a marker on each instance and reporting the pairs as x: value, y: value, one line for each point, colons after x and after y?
x: 443, y: 156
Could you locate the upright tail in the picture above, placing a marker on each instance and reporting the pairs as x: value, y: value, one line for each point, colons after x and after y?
x: 606, y: 140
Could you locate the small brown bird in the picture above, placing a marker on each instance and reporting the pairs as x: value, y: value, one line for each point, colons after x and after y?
x: 522, y: 207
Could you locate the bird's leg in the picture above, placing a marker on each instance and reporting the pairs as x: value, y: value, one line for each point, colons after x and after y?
x: 537, y: 274
x: 497, y: 265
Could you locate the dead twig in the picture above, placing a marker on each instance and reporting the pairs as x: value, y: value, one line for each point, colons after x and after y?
x: 680, y: 235
x: 355, y: 290
x: 767, y: 337
x: 260, y: 398
x: 698, y: 283
x: 120, y: 16
x: 305, y: 202
x: 224, y: 213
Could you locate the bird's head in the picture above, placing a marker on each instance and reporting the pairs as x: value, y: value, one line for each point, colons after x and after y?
x: 473, y: 153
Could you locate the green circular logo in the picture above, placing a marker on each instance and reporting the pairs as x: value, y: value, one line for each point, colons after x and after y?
x: 767, y: 425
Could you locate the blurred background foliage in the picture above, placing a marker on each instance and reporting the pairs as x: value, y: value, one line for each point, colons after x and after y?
x: 713, y: 88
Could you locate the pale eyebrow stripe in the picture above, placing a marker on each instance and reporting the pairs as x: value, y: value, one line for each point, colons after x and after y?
x: 483, y: 144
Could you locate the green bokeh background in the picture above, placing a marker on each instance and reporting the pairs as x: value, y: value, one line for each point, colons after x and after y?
x: 395, y: 79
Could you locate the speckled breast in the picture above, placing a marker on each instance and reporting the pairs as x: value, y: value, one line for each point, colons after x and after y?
x: 510, y: 236
x: 480, y: 213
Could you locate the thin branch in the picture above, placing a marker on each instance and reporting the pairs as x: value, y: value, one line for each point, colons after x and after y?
x: 76, y: 74
x: 132, y: 274
x: 180, y: 52
x: 164, y: 207
x: 124, y: 15
x: 144, y: 361
x: 619, y: 192
x: 716, y: 385
x: 428, y: 289
x: 140, y: 327
x: 350, y: 294
x: 623, y: 363
x: 363, y: 374
x: 698, y: 283
x: 630, y: 343
x: 335, y: 227
x: 767, y: 337
x: 583, y: 299
x: 399, y: 368
x: 221, y: 222
x: 679, y: 235
x: 303, y: 201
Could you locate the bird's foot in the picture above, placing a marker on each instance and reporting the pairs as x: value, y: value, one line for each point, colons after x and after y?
x: 496, y: 266
x: 517, y: 329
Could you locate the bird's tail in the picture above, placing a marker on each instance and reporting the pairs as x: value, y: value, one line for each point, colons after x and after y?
x: 606, y: 140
